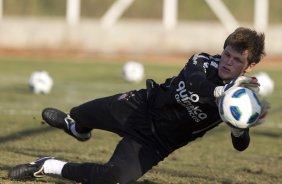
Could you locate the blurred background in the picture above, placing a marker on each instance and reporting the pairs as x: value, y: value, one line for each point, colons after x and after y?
x: 134, y: 26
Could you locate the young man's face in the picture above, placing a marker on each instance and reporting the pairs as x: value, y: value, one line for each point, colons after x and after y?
x: 233, y: 64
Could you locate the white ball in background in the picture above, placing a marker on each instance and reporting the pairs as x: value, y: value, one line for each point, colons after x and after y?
x: 40, y: 82
x: 133, y: 71
x: 266, y: 84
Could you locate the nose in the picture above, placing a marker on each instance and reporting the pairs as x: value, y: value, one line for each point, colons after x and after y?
x: 229, y: 61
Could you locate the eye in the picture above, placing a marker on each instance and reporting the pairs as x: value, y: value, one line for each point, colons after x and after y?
x: 227, y: 54
x: 239, y: 60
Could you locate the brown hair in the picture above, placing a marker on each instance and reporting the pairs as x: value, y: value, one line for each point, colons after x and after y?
x: 246, y: 39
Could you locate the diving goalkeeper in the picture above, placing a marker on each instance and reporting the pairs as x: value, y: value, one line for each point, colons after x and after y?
x: 156, y: 121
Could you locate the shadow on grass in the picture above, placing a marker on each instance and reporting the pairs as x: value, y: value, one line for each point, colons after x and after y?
x: 4, y: 168
x: 143, y: 182
x: 268, y: 134
x: 24, y: 133
x: 192, y: 176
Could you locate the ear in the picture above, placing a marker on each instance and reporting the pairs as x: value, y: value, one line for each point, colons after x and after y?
x: 250, y: 67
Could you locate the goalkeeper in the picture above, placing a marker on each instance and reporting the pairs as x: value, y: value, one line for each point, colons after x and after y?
x: 155, y: 121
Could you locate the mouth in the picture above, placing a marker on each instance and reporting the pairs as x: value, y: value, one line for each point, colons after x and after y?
x: 225, y: 69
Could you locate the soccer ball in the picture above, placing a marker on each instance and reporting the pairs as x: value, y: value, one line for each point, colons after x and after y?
x: 266, y: 84
x: 40, y: 82
x: 133, y: 71
x: 239, y: 107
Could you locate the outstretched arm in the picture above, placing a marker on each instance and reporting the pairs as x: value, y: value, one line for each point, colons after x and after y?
x: 240, y: 137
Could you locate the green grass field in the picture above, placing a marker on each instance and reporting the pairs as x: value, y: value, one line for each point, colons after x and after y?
x: 209, y: 160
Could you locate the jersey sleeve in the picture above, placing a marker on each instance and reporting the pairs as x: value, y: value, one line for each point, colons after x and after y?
x: 195, y: 73
x: 242, y: 142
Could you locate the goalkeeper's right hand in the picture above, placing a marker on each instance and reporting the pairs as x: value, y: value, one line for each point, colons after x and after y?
x: 242, y: 81
x: 265, y: 106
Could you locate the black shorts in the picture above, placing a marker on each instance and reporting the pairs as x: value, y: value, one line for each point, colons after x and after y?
x: 126, y: 115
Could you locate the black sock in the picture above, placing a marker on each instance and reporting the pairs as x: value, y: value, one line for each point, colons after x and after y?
x: 82, y: 130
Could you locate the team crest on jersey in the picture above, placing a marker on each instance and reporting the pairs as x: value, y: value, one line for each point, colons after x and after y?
x: 214, y: 64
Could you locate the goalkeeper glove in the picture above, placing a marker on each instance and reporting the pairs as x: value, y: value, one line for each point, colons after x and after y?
x: 242, y: 81
x: 265, y: 106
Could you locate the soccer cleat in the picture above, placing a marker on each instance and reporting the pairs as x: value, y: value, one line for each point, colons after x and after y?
x: 29, y: 171
x: 61, y: 120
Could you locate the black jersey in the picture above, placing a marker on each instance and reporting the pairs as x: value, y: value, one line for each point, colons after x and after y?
x: 183, y: 107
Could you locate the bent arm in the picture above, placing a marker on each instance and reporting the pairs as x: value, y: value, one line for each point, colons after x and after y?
x: 195, y: 73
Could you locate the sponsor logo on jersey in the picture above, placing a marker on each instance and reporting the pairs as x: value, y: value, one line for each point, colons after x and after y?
x: 185, y: 98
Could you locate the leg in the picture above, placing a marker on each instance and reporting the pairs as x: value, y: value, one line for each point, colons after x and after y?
x: 61, y: 120
x: 111, y: 113
x: 129, y: 162
x: 82, y: 119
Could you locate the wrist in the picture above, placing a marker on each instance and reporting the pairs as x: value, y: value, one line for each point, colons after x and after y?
x: 237, y: 132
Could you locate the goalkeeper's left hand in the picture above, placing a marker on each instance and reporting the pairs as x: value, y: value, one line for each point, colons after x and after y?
x: 265, y: 106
